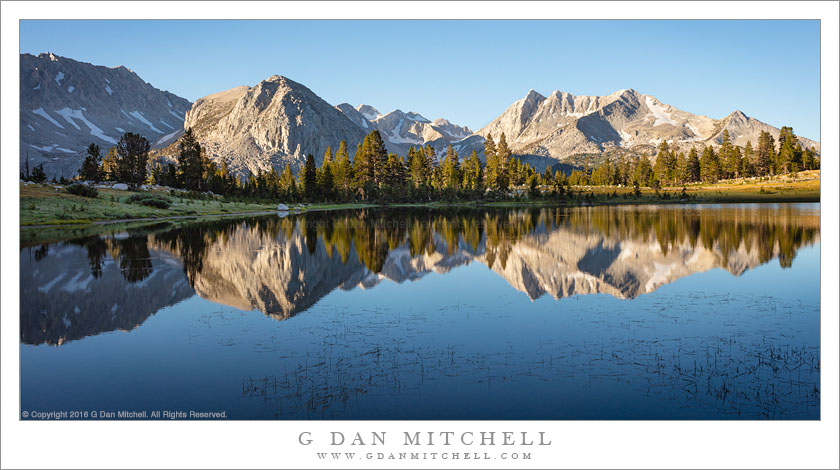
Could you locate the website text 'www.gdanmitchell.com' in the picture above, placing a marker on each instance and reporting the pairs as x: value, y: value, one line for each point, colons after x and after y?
x: 423, y: 455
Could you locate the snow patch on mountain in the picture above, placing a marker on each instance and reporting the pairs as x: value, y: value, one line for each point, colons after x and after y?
x: 43, y: 114
x: 659, y: 113
x: 167, y: 137
x: 70, y: 114
x: 139, y: 116
x: 59, y: 77
x: 369, y: 112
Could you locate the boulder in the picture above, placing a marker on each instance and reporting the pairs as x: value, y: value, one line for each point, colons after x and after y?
x: 120, y: 186
x: 282, y: 207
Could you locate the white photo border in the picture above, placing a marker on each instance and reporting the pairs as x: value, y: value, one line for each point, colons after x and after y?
x: 269, y: 444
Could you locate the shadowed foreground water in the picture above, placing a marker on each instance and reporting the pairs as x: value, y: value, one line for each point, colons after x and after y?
x: 671, y: 312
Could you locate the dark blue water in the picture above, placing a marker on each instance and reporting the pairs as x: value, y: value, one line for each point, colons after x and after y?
x: 673, y: 312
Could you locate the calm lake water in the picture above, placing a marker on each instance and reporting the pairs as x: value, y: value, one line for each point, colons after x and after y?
x: 669, y: 312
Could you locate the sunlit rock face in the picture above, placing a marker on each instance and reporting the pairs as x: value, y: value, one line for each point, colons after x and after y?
x: 563, y: 125
x: 270, y: 124
x: 67, y: 294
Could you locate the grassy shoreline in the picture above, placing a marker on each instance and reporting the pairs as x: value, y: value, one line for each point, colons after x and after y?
x: 46, y: 205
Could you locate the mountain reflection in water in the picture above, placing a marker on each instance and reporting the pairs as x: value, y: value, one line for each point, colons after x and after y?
x: 282, y: 266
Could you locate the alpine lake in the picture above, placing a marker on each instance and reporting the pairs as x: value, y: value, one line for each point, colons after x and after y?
x: 670, y: 312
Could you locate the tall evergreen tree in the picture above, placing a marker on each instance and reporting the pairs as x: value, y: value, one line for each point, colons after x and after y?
x: 110, y: 165
x: 660, y: 168
x: 503, y: 154
x: 765, y: 154
x: 724, y: 156
x: 308, y: 179
x: 190, y: 162
x: 343, y: 174
x: 451, y: 169
x: 132, y: 155
x: 789, y: 157
x: 326, y: 178
x: 493, y: 169
x: 748, y: 162
x: 287, y: 183
x: 417, y: 168
x: 472, y: 173
x: 734, y: 163
x: 90, y: 169
x: 681, y: 173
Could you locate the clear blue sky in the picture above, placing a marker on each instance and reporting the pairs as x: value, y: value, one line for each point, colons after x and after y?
x: 469, y: 71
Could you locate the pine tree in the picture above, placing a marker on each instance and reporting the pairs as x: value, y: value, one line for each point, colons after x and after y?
x: 343, y: 174
x: 710, y: 171
x: 809, y: 159
x: 451, y: 170
x: 395, y: 172
x: 132, y: 156
x: 724, y: 156
x: 643, y: 172
x: 190, y: 162
x: 734, y: 163
x: 472, y: 173
x: 681, y: 171
x: 38, y: 174
x: 693, y: 166
x: 417, y: 168
x: 748, y: 162
x: 431, y: 163
x: 730, y: 157
x: 789, y: 158
x: 326, y: 177
x: 360, y: 171
x: 90, y: 169
x: 287, y: 183
x: 503, y: 155
x: 493, y: 168
x: 377, y: 157
x: 110, y: 165
x: 660, y: 168
x: 308, y: 179
x: 765, y: 155
x: 548, y: 177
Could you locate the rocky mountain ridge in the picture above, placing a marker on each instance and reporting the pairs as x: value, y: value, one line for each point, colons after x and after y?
x: 275, y: 122
x: 563, y: 125
x: 401, y: 130
x: 65, y: 105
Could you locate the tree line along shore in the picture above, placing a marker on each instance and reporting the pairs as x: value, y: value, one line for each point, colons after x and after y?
x: 195, y: 185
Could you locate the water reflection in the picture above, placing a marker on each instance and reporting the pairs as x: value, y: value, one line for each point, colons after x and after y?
x: 282, y: 266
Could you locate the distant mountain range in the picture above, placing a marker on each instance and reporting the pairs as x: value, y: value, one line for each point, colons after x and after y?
x: 563, y: 125
x: 65, y: 105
